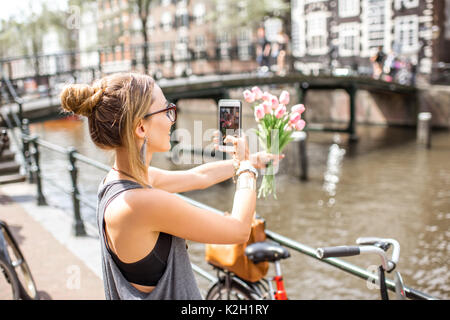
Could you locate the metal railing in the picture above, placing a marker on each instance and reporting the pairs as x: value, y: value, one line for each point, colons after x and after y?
x: 167, y: 59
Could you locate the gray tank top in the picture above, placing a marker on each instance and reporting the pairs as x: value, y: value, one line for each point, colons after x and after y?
x: 177, y: 282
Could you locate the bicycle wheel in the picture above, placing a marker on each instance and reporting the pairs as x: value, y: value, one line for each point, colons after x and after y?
x: 9, y: 284
x: 27, y: 286
x: 237, y: 291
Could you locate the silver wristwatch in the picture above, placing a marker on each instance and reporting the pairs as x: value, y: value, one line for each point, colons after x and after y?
x: 246, y: 166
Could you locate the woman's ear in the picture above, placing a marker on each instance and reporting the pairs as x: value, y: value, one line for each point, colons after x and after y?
x: 140, y: 130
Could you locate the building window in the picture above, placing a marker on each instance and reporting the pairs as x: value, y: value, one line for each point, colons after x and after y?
x: 200, y: 47
x: 166, y: 21
x: 298, y: 28
x: 349, y: 39
x: 242, y: 9
x: 407, y: 33
x: 151, y: 52
x: 181, y: 49
x: 348, y: 8
x: 244, y: 44
x: 165, y: 3
x: 407, y: 4
x: 224, y: 45
x: 376, y: 23
x: 167, y: 53
x: 199, y: 13
x: 150, y: 24
x: 181, y: 17
x: 316, y: 33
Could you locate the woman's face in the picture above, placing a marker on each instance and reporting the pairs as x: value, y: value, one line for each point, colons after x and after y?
x: 157, y: 126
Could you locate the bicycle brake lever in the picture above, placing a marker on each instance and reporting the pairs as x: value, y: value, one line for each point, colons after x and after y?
x: 363, y: 241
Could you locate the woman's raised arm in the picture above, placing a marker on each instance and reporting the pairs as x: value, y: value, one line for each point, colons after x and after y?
x: 165, y: 212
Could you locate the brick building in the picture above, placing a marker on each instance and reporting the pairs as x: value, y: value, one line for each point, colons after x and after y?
x: 182, y: 39
x: 346, y: 33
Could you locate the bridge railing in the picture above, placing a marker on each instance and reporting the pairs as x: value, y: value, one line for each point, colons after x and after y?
x: 168, y: 59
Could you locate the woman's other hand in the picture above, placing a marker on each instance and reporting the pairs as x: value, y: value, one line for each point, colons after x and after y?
x: 260, y: 159
x: 240, y: 151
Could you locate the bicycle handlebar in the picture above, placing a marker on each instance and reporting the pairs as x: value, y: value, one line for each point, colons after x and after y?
x: 373, y: 240
x: 366, y: 245
x: 341, y: 251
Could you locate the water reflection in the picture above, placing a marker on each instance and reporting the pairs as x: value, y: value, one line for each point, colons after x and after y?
x: 331, y: 175
x: 383, y: 186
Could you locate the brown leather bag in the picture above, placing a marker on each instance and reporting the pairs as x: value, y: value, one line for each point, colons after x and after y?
x: 232, y: 257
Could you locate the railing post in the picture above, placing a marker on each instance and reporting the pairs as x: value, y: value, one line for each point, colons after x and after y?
x: 37, y: 172
x: 78, y: 227
x: 26, y: 149
x: 303, y: 158
x: 20, y: 110
x: 352, y: 123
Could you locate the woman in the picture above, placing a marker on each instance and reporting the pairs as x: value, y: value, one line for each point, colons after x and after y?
x: 143, y: 225
x: 282, y: 42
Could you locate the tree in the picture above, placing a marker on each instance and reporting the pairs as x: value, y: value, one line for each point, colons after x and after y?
x: 8, y: 39
x: 142, y: 9
x: 32, y: 32
x: 234, y: 14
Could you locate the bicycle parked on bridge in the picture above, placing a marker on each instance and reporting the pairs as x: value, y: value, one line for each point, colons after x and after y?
x: 377, y: 246
x: 14, y: 267
x: 230, y: 286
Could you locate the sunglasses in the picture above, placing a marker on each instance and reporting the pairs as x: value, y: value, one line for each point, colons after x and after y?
x: 170, y: 109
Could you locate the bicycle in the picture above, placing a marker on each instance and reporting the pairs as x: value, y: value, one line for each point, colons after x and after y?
x: 15, y: 269
x: 378, y: 246
x: 229, y: 286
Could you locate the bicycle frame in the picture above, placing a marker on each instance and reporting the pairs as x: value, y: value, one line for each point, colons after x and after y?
x: 280, y: 293
x: 260, y: 288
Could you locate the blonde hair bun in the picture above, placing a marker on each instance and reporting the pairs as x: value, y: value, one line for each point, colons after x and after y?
x: 80, y: 99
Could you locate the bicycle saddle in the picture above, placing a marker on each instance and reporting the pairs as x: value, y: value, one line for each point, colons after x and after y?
x: 266, y: 251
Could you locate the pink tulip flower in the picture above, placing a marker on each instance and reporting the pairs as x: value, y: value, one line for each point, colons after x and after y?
x: 275, y: 103
x: 280, y: 111
x: 267, y: 107
x: 266, y: 96
x: 257, y: 92
x: 284, y: 98
x: 294, y: 118
x: 287, y: 127
x: 299, y: 108
x: 249, y: 96
x: 259, y: 112
x: 299, y: 125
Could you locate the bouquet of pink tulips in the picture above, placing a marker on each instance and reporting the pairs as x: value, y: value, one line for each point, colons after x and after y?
x: 275, y: 127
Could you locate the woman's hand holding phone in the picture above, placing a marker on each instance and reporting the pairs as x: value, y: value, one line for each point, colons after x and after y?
x: 240, y: 149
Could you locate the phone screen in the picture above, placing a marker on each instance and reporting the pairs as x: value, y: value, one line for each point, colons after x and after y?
x: 229, y: 119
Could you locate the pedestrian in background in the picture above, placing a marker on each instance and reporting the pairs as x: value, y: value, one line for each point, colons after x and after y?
x: 282, y: 43
x: 377, y: 62
x: 262, y: 49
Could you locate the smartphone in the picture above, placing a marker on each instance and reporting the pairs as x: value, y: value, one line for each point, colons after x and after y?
x: 230, y: 122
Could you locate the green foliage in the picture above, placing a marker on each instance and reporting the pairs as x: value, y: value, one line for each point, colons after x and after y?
x: 234, y: 14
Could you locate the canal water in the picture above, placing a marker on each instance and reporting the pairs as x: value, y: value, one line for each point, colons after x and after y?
x: 383, y: 186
